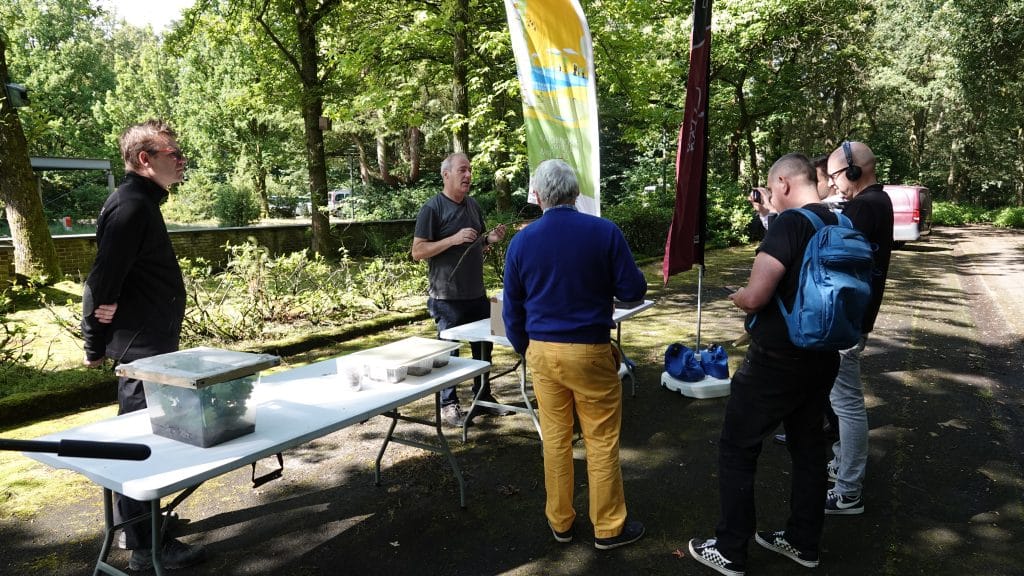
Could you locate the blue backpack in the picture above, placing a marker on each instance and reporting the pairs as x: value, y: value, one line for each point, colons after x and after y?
x: 834, y: 287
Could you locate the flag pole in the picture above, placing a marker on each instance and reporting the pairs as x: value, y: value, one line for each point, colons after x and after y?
x: 700, y: 293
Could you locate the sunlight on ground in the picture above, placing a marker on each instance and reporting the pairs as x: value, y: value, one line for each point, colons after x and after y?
x: 26, y: 486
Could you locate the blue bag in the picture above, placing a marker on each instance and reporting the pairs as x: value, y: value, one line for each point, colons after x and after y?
x: 834, y: 287
x: 682, y: 364
x: 715, y: 362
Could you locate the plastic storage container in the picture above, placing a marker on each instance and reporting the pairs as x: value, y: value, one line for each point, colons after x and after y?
x: 200, y: 396
x: 391, y: 374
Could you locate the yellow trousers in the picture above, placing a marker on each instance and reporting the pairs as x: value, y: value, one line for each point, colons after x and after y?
x: 584, y: 377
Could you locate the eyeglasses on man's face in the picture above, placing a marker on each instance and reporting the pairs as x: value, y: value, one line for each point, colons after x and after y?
x: 172, y: 152
x: 833, y: 176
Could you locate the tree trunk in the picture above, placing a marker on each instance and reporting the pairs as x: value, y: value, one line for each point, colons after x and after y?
x: 364, y: 168
x: 34, y: 253
x: 312, y: 110
x: 257, y: 134
x: 384, y: 162
x: 415, y: 154
x: 460, y: 90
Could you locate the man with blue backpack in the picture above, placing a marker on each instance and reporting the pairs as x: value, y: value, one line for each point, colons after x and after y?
x: 851, y: 170
x: 782, y: 380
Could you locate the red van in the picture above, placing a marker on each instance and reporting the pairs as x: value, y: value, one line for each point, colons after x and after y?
x: 911, y: 211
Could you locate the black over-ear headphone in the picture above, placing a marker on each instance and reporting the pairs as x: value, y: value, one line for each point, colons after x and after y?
x: 853, y: 171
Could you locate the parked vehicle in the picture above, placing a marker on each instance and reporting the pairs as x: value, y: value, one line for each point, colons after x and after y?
x: 336, y: 200
x: 911, y: 211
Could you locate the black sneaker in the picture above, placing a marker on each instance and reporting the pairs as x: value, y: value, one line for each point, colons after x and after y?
x: 706, y: 552
x: 173, y: 555
x: 836, y: 503
x: 563, y: 537
x: 632, y: 531
x: 776, y: 542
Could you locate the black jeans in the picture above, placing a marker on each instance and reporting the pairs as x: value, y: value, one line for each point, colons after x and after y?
x: 770, y: 388
x: 451, y: 313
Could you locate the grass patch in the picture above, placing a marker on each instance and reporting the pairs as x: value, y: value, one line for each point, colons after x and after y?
x: 26, y: 486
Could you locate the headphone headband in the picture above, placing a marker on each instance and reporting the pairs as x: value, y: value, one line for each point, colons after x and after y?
x: 853, y: 172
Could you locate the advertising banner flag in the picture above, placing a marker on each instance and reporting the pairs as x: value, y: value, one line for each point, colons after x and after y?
x: 555, y: 63
x: 685, y: 244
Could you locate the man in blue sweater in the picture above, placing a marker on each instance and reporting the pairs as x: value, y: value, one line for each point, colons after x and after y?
x: 562, y: 273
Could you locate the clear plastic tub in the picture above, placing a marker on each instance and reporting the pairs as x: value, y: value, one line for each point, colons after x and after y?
x: 379, y: 373
x: 421, y: 368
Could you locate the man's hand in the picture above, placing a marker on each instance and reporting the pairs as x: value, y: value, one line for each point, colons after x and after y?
x: 496, y: 235
x: 463, y: 236
x: 93, y: 363
x: 104, y: 313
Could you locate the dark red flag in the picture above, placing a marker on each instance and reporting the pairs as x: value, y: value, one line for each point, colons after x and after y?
x: 685, y: 244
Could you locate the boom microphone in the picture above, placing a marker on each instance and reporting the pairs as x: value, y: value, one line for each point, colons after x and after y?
x: 81, y: 448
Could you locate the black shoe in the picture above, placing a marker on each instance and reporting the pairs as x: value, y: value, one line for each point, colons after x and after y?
x: 173, y: 555
x: 706, y: 552
x: 632, y: 531
x: 563, y: 537
x: 776, y: 542
x: 779, y: 439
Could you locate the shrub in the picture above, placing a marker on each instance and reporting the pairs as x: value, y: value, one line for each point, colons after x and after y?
x: 645, y: 227
x: 1010, y: 218
x: 190, y: 201
x: 14, y: 335
x: 235, y: 205
x: 951, y: 214
x: 385, y: 280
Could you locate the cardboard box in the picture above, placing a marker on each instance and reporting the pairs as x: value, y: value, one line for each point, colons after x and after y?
x: 200, y: 396
x: 497, y: 324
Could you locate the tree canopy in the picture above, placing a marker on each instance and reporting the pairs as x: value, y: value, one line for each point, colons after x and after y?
x: 934, y: 87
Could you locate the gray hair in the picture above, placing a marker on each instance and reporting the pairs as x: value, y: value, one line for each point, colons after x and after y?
x: 555, y: 183
x: 446, y: 164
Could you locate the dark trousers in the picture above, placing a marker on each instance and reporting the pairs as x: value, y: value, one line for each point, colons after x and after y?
x: 451, y: 313
x: 770, y: 388
x: 132, y: 397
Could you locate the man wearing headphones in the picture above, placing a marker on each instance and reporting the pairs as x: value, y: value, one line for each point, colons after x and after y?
x: 851, y: 170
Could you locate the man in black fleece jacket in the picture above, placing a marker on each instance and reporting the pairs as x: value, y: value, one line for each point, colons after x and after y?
x: 133, y: 302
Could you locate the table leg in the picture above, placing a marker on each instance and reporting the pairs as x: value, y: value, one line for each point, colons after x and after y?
x: 526, y: 399
x: 527, y: 407
x: 440, y: 448
x: 622, y: 354
x: 109, y: 528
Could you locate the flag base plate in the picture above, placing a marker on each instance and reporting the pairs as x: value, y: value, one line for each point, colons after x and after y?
x: 707, y: 388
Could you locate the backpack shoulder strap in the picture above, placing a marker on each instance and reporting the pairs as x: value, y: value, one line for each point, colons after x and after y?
x: 844, y: 220
x: 814, y: 218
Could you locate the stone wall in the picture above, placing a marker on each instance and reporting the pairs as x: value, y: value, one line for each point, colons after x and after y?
x: 76, y: 251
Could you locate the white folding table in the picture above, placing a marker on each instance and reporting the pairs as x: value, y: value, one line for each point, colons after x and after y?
x: 292, y: 407
x: 480, y: 331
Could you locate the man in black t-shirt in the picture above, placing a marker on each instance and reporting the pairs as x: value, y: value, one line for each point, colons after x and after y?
x: 451, y: 236
x: 851, y: 170
x: 777, y: 383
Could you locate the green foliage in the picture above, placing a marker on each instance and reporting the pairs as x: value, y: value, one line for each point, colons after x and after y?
x: 190, y: 201
x: 729, y: 213
x: 645, y: 227
x: 235, y: 205
x: 952, y: 214
x: 256, y: 293
x: 384, y: 280
x: 1010, y: 218
x: 14, y: 335
x: 379, y: 202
